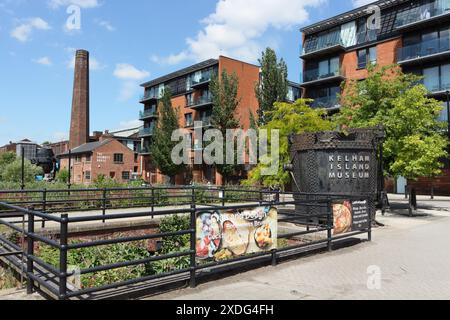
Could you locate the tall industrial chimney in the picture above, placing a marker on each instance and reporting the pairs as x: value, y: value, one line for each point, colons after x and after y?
x: 79, y: 125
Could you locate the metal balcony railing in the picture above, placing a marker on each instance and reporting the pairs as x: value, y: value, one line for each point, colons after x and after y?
x: 421, y: 13
x: 325, y: 103
x: 148, y: 114
x: 146, y: 131
x: 423, y: 49
x: 204, y: 100
x: 316, y: 74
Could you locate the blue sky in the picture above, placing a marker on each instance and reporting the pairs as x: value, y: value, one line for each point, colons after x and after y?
x: 130, y: 42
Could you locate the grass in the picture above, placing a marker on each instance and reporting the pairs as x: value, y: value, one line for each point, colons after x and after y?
x: 7, y: 279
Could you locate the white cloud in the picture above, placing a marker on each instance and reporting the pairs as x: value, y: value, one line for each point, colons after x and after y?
x: 127, y: 91
x: 127, y: 71
x: 360, y: 3
x: 236, y: 27
x: 105, y: 24
x: 81, y: 3
x: 45, y: 61
x: 130, y: 76
x: 23, y: 31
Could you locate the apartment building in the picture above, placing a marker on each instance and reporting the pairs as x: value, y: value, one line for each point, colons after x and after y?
x: 190, y: 92
x: 413, y: 33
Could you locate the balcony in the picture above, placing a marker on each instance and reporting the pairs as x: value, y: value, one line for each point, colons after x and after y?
x: 422, y: 16
x: 438, y: 89
x: 322, y: 49
x: 146, y: 132
x: 329, y: 103
x: 315, y: 77
x: 151, y: 96
x: 201, y: 102
x: 144, y: 150
x: 202, y: 82
x: 147, y: 114
x: 205, y: 122
x: 432, y: 50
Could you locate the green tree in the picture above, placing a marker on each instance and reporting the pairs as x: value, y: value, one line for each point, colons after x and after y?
x: 162, y: 145
x: 225, y: 99
x: 63, y: 176
x: 289, y: 119
x: 12, y: 172
x: 273, y: 86
x: 415, y: 143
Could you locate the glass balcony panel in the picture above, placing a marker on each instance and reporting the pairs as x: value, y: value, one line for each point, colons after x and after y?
x: 422, y: 13
x: 424, y: 49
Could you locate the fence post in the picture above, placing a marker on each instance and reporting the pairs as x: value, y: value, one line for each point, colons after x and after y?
x: 22, y: 185
x: 44, y: 205
x: 329, y: 225
x: 104, y: 204
x: 223, y: 196
x: 69, y: 181
x: 153, y: 199
x: 30, y: 252
x: 260, y: 197
x: 369, y: 232
x: 432, y: 192
x: 63, y: 257
x: 193, y: 281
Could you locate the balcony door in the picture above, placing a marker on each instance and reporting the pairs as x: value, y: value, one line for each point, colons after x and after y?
x: 431, y: 79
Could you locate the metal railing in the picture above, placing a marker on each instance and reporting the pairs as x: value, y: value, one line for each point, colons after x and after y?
x: 325, y: 102
x: 148, y: 113
x: 200, y: 101
x: 315, y: 74
x: 146, y: 131
x: 423, y: 49
x: 420, y: 13
x: 54, y: 277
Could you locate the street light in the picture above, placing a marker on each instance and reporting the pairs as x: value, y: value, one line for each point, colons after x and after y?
x: 448, y: 113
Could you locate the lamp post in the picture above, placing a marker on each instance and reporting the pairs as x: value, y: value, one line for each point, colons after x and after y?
x: 448, y: 114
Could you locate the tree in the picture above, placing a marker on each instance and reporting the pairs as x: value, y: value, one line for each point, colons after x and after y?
x: 289, y: 119
x: 162, y: 145
x: 13, y: 172
x: 273, y: 86
x: 225, y: 99
x: 414, y: 144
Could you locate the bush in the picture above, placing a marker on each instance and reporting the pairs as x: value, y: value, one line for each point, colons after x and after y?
x: 63, y: 176
x: 12, y: 172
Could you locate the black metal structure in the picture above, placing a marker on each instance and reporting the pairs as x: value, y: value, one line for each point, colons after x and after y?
x: 188, y: 201
x: 334, y: 163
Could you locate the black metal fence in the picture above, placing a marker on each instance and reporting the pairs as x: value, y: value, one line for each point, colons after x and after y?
x: 37, y: 206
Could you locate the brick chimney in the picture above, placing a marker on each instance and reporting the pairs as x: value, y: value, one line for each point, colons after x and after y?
x: 79, y: 125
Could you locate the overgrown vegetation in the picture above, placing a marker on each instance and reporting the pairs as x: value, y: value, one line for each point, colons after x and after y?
x: 11, y: 169
x: 104, y: 255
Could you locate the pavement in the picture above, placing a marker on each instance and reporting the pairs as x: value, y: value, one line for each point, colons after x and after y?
x: 409, y: 258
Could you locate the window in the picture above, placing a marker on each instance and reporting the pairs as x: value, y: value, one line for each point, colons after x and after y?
x: 366, y: 56
x: 112, y: 175
x: 188, y: 120
x: 125, y: 175
x: 431, y: 78
x: 88, y: 159
x: 87, y: 175
x: 189, y: 99
x: 118, y: 158
x: 77, y: 159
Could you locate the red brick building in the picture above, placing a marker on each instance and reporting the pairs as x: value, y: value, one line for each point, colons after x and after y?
x: 107, y: 157
x: 190, y: 91
x: 413, y: 33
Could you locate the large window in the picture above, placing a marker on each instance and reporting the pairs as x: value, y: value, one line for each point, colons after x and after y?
x: 437, y: 78
x: 87, y: 175
x: 188, y: 120
x: 366, y: 56
x: 125, y: 175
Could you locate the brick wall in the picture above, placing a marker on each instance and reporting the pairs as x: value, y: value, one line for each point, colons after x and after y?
x: 102, y: 163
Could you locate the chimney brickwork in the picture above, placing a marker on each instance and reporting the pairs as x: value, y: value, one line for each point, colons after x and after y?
x: 79, y: 125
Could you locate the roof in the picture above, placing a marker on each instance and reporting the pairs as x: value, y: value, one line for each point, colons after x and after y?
x: 182, y: 72
x: 126, y: 133
x: 88, y: 147
x: 294, y: 84
x: 349, y: 16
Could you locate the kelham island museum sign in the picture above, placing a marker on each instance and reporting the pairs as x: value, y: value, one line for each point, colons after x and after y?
x: 336, y: 163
